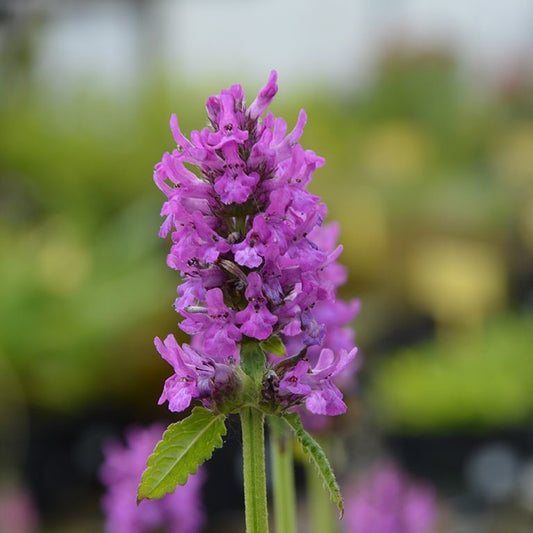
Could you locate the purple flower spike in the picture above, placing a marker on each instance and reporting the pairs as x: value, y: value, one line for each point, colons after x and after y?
x: 255, y: 261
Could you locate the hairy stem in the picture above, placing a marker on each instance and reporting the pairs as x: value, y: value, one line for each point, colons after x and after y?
x: 253, y: 446
x: 283, y: 476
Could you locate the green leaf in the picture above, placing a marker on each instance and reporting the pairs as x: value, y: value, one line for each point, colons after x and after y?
x: 274, y: 345
x: 185, y: 446
x: 317, y: 456
x: 253, y: 359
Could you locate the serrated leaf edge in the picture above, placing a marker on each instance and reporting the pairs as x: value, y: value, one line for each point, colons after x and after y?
x: 153, y: 457
x: 311, y: 450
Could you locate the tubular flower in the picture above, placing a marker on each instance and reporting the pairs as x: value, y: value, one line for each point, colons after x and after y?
x: 255, y: 262
x: 195, y: 376
x: 315, y: 384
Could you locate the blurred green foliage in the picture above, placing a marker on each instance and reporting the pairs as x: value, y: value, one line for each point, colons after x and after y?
x: 471, y: 381
x: 431, y: 180
x: 83, y: 275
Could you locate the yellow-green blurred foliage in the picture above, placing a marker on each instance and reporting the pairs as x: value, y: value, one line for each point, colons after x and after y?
x: 481, y: 379
x: 431, y: 179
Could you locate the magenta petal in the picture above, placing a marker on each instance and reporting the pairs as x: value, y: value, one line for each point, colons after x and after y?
x: 265, y: 96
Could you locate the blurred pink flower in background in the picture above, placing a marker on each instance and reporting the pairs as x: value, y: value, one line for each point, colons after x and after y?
x: 385, y: 500
x: 18, y: 513
x: 179, y: 512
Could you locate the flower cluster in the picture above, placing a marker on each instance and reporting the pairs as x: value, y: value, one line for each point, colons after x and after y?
x: 195, y: 376
x: 387, y: 501
x: 179, y: 512
x: 248, y: 240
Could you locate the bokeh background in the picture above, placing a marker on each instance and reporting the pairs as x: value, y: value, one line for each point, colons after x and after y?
x: 424, y: 112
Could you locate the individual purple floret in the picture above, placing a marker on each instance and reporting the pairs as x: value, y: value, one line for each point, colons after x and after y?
x: 265, y: 96
x: 179, y: 512
x: 254, y: 260
x: 315, y: 385
x: 257, y: 321
x: 217, y: 324
x: 195, y: 376
x: 387, y: 501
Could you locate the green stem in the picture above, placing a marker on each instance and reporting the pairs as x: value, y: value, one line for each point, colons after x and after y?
x: 283, y: 476
x: 253, y: 448
x: 321, y: 513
